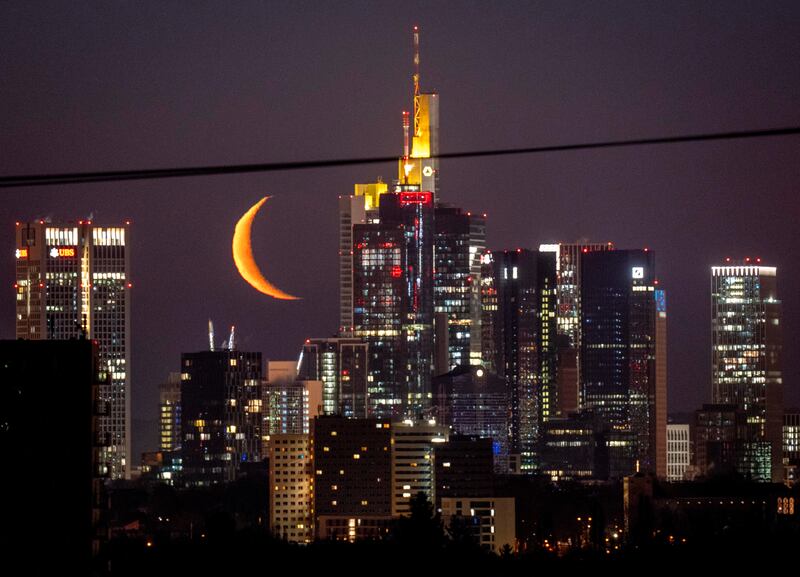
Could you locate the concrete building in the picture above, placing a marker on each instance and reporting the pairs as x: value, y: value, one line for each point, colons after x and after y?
x: 291, y: 496
x: 491, y: 519
x: 678, y: 451
x: 413, y: 469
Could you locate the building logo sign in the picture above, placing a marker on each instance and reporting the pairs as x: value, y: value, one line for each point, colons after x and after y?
x: 62, y: 251
x: 21, y: 253
x: 637, y: 272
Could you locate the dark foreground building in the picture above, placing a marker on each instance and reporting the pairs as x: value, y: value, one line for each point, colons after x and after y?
x: 55, y: 503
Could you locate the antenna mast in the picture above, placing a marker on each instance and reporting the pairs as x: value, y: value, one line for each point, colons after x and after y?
x: 417, y: 112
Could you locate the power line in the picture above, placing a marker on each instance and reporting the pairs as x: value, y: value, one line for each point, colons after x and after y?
x: 86, y: 177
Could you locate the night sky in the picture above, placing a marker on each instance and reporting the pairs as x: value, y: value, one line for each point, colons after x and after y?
x: 97, y: 86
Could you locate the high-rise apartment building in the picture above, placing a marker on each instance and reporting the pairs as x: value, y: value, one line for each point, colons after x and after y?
x: 352, y: 476
x: 73, y: 280
x: 221, y: 409
x: 746, y: 359
x: 342, y: 366
x: 623, y: 355
x: 291, y: 495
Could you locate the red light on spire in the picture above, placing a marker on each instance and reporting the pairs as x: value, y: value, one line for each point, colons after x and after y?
x: 655, y: 282
x: 646, y: 249
x: 747, y: 259
x: 130, y: 285
x: 758, y: 260
x: 727, y: 259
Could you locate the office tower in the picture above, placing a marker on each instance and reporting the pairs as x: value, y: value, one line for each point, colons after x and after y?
x: 52, y: 443
x: 169, y: 424
x: 491, y: 520
x: 568, y: 279
x: 746, y: 359
x: 573, y: 449
x: 352, y: 476
x: 472, y: 401
x: 524, y: 343
x: 221, y: 406
x: 460, y: 239
x: 291, y: 494
x: 568, y: 273
x: 73, y: 280
x: 354, y: 209
x: 393, y: 303
x: 678, y: 451
x: 419, y: 165
x: 289, y: 406
x: 464, y: 467
x: 413, y: 469
x: 488, y: 295
x: 341, y: 364
x: 622, y: 350
x: 169, y: 411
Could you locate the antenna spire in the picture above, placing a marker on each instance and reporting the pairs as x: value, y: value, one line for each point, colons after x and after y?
x: 417, y: 111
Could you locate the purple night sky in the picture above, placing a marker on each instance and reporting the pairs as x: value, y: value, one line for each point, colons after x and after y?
x: 125, y: 85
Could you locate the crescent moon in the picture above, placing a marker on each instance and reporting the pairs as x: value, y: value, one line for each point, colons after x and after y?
x: 243, y: 256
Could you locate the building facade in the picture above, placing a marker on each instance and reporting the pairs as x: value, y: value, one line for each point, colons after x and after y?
x: 341, y: 364
x: 460, y: 240
x: 746, y: 360
x: 678, y: 451
x: 72, y: 281
x: 221, y: 412
x: 413, y: 469
x: 291, y: 495
x: 623, y: 355
x: 352, y: 471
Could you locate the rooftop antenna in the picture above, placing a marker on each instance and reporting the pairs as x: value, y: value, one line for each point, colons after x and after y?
x: 210, y: 335
x: 231, y: 343
x: 417, y: 112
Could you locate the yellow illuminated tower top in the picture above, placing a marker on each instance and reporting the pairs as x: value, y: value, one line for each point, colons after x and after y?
x: 419, y: 165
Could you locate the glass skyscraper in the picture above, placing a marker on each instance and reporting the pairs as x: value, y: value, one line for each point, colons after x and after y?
x: 73, y: 280
x: 746, y: 360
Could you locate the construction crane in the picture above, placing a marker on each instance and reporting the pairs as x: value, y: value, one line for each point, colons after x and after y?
x: 231, y: 342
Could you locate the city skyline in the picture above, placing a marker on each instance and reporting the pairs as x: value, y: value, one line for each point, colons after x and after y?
x: 755, y: 175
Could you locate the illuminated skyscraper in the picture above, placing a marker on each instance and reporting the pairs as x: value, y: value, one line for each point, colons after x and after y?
x: 746, y: 360
x: 73, y: 280
x: 393, y: 302
x: 341, y: 364
x: 460, y: 241
x: 524, y: 342
x: 568, y: 272
x: 623, y: 357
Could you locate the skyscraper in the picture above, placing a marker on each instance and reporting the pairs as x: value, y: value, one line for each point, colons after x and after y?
x: 393, y: 302
x: 341, y: 364
x: 221, y: 408
x: 622, y: 356
x: 73, y: 280
x: 746, y: 359
x: 460, y: 239
x: 524, y: 342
